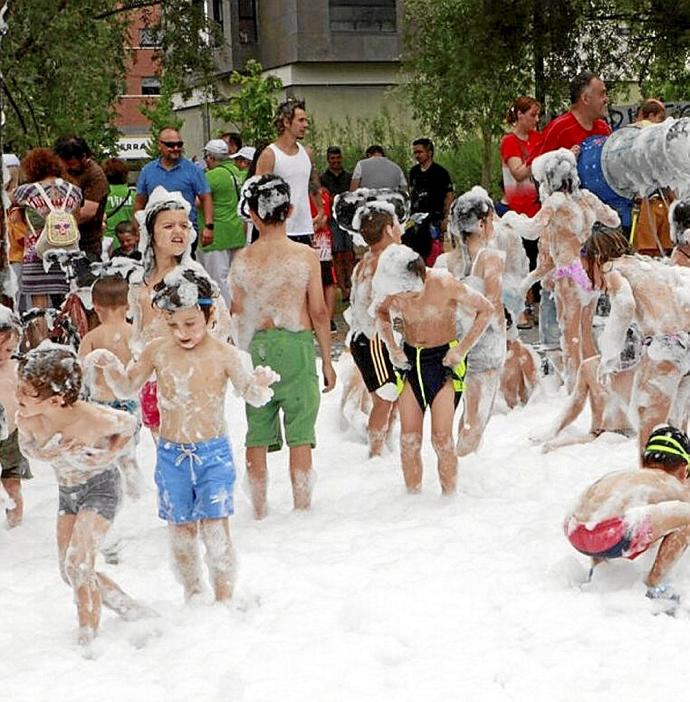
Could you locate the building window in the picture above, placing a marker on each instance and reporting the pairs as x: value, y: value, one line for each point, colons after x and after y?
x: 150, y: 85
x: 148, y: 38
x: 217, y: 13
x: 362, y: 15
x: 246, y: 14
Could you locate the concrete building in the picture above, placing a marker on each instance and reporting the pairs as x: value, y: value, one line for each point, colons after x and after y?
x: 341, y: 56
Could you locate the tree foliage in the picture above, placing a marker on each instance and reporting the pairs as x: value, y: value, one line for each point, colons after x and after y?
x: 160, y: 113
x: 64, y: 63
x: 252, y: 106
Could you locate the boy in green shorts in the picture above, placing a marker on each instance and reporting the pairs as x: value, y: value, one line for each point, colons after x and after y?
x: 277, y: 307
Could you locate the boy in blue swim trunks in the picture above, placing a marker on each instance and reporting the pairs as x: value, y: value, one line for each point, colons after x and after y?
x: 426, y: 302
x: 277, y: 307
x: 195, y: 472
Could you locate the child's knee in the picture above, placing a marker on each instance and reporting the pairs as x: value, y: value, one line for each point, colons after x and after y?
x: 410, y: 443
x: 442, y: 442
x: 78, y: 567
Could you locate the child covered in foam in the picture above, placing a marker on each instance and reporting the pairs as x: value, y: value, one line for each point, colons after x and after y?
x: 564, y: 222
x: 432, y: 357
x: 376, y: 223
x: 195, y: 471
x: 82, y: 441
x: 480, y: 267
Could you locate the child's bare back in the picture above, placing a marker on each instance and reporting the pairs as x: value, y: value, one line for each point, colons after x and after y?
x: 114, y: 336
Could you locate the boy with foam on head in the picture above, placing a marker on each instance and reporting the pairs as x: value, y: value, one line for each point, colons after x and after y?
x: 277, y: 307
x: 427, y: 303
x: 109, y: 295
x: 82, y: 441
x: 195, y: 471
x: 626, y: 512
x: 129, y: 241
x: 376, y: 223
x: 13, y: 463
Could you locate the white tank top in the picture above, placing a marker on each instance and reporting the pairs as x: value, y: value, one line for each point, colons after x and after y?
x: 296, y: 170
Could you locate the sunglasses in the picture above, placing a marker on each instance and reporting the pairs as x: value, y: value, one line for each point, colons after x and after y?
x: 173, y: 144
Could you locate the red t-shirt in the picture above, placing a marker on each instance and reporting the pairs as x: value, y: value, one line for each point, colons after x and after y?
x: 565, y: 131
x: 521, y: 195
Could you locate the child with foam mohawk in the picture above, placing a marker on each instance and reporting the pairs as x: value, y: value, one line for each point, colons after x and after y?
x: 195, y: 471
x: 376, y: 223
x: 427, y: 303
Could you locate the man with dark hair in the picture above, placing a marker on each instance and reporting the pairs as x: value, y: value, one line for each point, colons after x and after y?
x: 174, y: 172
x: 588, y: 100
x: 377, y: 171
x: 431, y: 188
x: 337, y: 180
x: 287, y: 158
x: 233, y: 140
x: 83, y: 171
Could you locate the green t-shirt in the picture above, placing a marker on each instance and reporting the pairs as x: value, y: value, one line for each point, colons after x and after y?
x: 225, y: 181
x: 118, y: 208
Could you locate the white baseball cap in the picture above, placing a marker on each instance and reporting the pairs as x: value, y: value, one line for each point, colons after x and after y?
x: 246, y: 152
x: 216, y: 147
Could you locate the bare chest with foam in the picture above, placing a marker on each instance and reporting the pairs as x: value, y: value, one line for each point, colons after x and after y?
x: 428, y: 317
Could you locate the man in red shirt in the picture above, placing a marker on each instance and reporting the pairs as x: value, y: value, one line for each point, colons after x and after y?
x: 588, y: 100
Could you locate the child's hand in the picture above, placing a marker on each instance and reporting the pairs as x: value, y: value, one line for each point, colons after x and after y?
x: 399, y: 359
x: 258, y: 392
x: 455, y: 356
x: 329, y: 377
x: 100, y: 358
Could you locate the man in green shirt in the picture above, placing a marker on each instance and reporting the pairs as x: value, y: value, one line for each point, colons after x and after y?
x: 225, y: 181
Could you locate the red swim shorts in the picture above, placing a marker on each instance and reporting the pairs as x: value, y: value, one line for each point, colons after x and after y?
x: 612, y: 538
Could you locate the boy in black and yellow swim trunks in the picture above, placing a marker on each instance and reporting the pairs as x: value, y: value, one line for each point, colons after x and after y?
x: 426, y: 302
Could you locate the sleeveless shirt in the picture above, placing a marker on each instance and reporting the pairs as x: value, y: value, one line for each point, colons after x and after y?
x: 295, y: 170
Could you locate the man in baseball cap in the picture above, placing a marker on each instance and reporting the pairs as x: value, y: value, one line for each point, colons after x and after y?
x: 244, y: 157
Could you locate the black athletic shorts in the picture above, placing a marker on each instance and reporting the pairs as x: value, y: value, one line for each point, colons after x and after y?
x: 373, y: 361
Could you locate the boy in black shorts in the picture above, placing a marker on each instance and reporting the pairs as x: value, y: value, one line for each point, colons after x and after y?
x: 376, y: 222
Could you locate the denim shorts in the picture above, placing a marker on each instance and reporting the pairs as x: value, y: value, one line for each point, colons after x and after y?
x: 195, y: 481
x: 101, y: 493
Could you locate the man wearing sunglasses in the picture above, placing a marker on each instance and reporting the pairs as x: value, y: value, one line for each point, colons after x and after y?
x: 175, y: 172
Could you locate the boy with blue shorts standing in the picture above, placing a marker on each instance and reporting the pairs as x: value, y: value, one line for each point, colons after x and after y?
x: 277, y: 307
x: 195, y: 472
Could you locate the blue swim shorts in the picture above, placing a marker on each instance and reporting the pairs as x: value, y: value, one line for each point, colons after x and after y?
x: 195, y: 481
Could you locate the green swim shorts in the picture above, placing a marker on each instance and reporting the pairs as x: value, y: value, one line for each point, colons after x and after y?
x: 297, y: 393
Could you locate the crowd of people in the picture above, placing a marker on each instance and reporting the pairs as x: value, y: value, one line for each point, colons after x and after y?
x: 227, y: 275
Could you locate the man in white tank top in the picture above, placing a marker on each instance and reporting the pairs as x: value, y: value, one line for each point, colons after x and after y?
x: 287, y: 158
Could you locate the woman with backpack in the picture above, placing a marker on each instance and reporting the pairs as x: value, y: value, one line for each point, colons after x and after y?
x: 45, y: 193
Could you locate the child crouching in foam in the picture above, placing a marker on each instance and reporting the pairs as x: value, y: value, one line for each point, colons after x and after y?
x: 109, y: 295
x: 195, y: 473
x: 82, y: 441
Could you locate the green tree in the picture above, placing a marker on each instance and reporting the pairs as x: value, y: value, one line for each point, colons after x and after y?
x: 252, y: 106
x: 64, y: 63
x: 160, y: 113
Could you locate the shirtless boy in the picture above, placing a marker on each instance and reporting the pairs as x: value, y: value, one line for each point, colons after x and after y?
x: 82, y: 441
x: 277, y: 307
x: 109, y: 295
x: 657, y: 298
x: 13, y: 463
x: 427, y: 303
x: 624, y: 513
x: 195, y: 471
x: 376, y: 222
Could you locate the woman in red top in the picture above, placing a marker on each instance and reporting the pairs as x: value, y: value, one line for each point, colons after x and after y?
x: 520, y: 191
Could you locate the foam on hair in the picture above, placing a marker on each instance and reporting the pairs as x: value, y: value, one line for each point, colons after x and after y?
x: 679, y: 220
x: 183, y: 288
x: 52, y: 369
x: 267, y: 196
x: 556, y: 171
x: 468, y: 210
